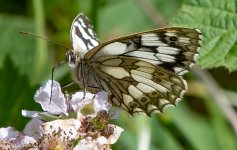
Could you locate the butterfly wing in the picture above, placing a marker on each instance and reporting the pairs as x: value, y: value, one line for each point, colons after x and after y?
x: 174, y: 49
x: 82, y: 34
x: 138, y: 86
x: 143, y: 72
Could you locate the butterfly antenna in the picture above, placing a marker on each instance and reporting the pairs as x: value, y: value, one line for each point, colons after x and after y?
x: 32, y: 34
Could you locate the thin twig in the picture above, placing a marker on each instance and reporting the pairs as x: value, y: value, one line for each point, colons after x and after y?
x: 218, y: 95
x: 151, y: 12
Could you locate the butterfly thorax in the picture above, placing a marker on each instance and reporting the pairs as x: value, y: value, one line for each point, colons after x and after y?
x: 75, y: 64
x: 83, y: 73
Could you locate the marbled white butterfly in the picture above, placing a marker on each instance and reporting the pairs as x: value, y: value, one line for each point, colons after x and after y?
x: 140, y: 72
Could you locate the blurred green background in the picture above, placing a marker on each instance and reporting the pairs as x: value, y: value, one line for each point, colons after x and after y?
x: 205, y: 119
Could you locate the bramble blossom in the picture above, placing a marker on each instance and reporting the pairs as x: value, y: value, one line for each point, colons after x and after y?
x: 79, y: 121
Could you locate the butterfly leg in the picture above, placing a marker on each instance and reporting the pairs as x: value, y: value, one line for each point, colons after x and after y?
x: 68, y: 84
x: 92, y: 87
x: 84, y: 84
x: 84, y: 93
x: 51, y: 92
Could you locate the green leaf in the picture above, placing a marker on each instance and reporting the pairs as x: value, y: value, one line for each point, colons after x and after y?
x: 20, y: 48
x: 224, y: 135
x: 232, y: 96
x: 196, y: 129
x: 217, y: 21
x: 204, y: 132
x: 161, y: 137
x: 124, y: 17
x: 16, y: 94
x: 128, y: 138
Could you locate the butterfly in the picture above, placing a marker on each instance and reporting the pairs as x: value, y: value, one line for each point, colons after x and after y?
x: 142, y: 72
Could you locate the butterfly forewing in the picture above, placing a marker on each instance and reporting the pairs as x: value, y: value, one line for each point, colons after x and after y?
x: 140, y: 72
x: 82, y: 34
x: 175, y: 49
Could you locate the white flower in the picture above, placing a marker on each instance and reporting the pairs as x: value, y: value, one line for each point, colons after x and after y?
x: 62, y: 124
x: 56, y: 105
x: 12, y: 139
x: 61, y: 134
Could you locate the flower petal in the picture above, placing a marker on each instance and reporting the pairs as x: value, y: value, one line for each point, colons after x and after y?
x: 69, y: 127
x: 117, y: 132
x: 77, y: 101
x: 102, y: 140
x: 33, y: 128
x: 30, y: 114
x: 8, y: 133
x: 92, y: 144
x: 101, y: 102
x: 57, y: 104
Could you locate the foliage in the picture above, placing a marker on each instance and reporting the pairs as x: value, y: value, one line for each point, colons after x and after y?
x: 217, y: 21
x: 196, y: 123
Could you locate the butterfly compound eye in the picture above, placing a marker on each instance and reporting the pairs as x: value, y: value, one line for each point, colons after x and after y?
x: 73, y: 57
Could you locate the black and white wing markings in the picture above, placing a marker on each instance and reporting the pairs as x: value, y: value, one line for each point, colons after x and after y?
x: 143, y: 72
x: 138, y: 86
x: 82, y: 34
x: 174, y: 49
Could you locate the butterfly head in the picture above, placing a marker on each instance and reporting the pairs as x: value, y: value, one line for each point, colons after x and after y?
x: 72, y: 58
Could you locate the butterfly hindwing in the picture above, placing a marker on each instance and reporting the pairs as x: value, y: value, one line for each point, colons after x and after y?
x: 82, y: 34
x: 175, y: 49
x: 138, y: 86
